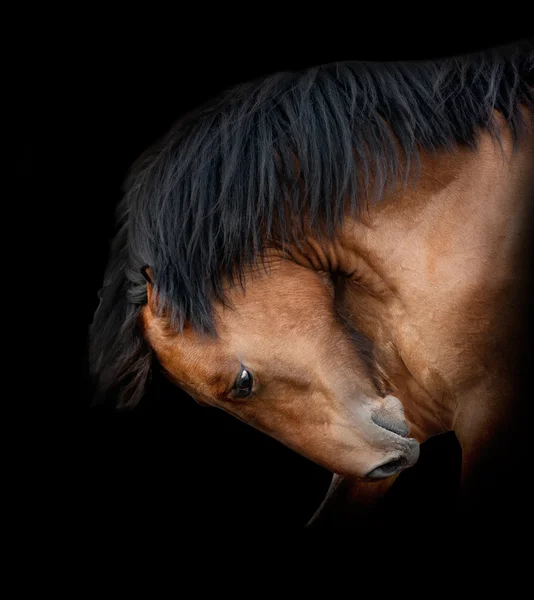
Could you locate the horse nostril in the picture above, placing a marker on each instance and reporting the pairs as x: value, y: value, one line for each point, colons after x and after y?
x: 395, y: 426
x: 388, y: 469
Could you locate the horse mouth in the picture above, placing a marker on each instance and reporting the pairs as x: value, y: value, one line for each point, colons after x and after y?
x: 410, y: 448
x: 392, y: 467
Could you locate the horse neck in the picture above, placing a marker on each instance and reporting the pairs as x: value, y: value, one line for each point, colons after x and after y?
x: 445, y: 261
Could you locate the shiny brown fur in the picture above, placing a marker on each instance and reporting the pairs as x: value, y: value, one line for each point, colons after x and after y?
x: 432, y: 276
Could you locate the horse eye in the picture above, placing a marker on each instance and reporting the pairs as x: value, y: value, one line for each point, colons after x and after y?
x: 243, y: 384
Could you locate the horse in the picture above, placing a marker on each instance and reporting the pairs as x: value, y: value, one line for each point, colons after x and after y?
x: 337, y: 256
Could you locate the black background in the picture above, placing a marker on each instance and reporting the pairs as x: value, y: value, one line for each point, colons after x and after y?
x: 171, y: 467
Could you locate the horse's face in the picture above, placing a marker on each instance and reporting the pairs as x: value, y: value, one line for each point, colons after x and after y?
x: 285, y: 363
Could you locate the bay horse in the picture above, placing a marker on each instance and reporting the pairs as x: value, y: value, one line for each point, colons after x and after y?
x: 337, y: 257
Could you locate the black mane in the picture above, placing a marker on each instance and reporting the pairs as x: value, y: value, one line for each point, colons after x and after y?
x: 245, y: 171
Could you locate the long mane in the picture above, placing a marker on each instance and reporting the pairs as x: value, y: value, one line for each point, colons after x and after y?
x: 269, y: 157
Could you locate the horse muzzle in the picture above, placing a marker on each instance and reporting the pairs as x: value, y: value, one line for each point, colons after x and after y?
x: 398, y: 463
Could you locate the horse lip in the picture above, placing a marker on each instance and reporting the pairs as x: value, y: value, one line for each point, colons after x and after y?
x: 398, y: 463
x: 399, y: 428
x: 389, y: 468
